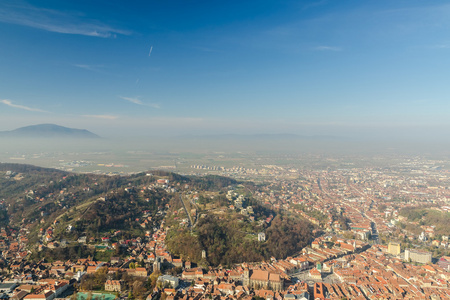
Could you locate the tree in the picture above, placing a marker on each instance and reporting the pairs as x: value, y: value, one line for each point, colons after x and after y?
x: 139, y: 289
x: 152, y: 279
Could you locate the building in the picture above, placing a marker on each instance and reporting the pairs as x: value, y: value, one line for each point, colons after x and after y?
x: 44, y: 296
x: 142, y: 272
x: 315, y: 274
x: 418, y: 256
x: 260, y: 279
x: 394, y: 248
x: 423, y: 237
x: 19, y: 295
x: 113, y: 286
x: 319, y: 292
x: 261, y: 237
x: 7, y: 287
x: 444, y: 263
x: 157, y: 264
x: 191, y: 274
x: 168, y: 281
x: 177, y: 262
x: 315, y: 245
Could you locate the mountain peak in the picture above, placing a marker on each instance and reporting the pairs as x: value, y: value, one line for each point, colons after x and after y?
x: 48, y: 131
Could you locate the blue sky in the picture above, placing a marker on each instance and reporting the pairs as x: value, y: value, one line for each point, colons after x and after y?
x: 346, y: 68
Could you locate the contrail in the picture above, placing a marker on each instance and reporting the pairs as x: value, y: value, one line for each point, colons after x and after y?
x: 151, y: 48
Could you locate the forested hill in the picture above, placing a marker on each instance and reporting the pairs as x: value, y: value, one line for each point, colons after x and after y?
x: 30, y: 169
x: 36, y: 197
x: 208, y: 182
x: 53, y: 206
x: 228, y: 240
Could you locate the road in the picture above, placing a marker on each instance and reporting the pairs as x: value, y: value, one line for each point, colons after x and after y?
x: 187, y: 213
x: 374, y: 232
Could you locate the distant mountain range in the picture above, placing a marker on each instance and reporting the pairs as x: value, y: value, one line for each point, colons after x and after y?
x: 282, y: 136
x: 48, y: 131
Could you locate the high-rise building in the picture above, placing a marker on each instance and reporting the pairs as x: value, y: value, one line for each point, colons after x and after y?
x: 419, y: 256
x: 394, y: 248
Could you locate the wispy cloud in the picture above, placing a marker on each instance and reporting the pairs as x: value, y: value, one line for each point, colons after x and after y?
x: 440, y: 46
x: 327, y: 48
x: 11, y: 104
x: 56, y: 21
x: 103, y: 117
x: 204, y: 49
x: 86, y: 67
x: 139, y: 102
x: 93, y: 68
x: 132, y: 100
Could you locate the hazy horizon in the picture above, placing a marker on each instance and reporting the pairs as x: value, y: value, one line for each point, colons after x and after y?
x: 411, y: 134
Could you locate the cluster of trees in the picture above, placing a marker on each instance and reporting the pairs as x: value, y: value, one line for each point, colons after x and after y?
x: 413, y: 214
x: 428, y: 217
x: 288, y: 235
x: 63, y: 254
x: 30, y: 169
x: 227, y: 239
x: 225, y: 243
x: 171, y: 176
x: 222, y: 240
x: 343, y: 221
x: 259, y: 210
x: 207, y: 183
x: 4, y: 218
x: 118, y: 212
x: 211, y: 182
x: 94, y: 282
x: 184, y: 243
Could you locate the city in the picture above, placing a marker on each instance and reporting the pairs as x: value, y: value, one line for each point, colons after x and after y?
x: 378, y: 233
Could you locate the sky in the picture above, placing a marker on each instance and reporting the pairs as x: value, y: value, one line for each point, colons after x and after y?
x: 341, y: 68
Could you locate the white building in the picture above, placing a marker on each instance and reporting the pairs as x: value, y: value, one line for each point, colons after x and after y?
x: 261, y: 237
x: 168, y: 280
